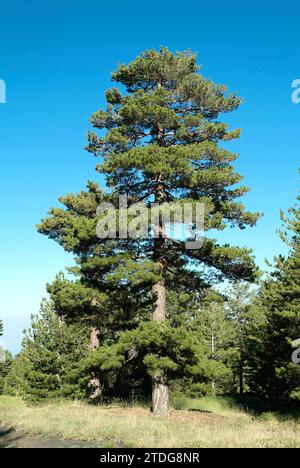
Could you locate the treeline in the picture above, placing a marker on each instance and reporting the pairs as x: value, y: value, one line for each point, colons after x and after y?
x: 56, y: 358
x: 238, y: 342
x: 147, y: 314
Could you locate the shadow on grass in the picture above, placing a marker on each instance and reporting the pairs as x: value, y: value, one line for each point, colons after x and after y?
x: 196, y: 410
x: 257, y: 406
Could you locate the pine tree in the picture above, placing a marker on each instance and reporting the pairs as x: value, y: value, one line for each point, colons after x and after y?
x: 14, y: 382
x: 5, y: 367
x: 2, y: 350
x: 213, y: 324
x: 50, y: 357
x: 160, y: 145
x: 243, y: 314
x: 274, y: 375
x: 6, y: 360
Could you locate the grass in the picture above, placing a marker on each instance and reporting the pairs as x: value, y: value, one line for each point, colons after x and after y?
x: 207, y: 422
x: 224, y: 406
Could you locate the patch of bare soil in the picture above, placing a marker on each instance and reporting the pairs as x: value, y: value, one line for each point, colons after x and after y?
x: 9, y: 438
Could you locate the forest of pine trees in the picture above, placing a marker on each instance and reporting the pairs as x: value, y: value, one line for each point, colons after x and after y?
x: 148, y: 318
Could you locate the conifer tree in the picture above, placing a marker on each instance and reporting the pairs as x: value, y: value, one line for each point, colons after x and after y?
x: 158, y: 142
x: 243, y: 314
x: 50, y: 357
x: 5, y: 366
x: 6, y: 359
x: 110, y: 290
x: 14, y: 382
x: 2, y: 350
x: 213, y: 324
x: 274, y: 374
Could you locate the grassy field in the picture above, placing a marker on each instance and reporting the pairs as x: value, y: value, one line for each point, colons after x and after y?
x: 205, y: 422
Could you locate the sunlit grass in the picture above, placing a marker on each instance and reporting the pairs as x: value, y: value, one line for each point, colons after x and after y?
x: 222, y: 406
x: 211, y: 423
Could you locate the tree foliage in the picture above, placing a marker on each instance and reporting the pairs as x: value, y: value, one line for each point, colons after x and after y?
x: 48, y: 366
x: 159, y: 139
x: 274, y: 375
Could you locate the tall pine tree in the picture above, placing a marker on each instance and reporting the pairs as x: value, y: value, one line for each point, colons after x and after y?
x: 274, y: 374
x: 159, y: 142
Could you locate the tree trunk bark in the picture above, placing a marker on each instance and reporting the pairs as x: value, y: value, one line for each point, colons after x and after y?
x: 160, y: 394
x: 94, y: 338
x: 213, y: 350
x: 94, y: 383
x: 160, y: 385
x: 159, y: 301
x: 241, y: 378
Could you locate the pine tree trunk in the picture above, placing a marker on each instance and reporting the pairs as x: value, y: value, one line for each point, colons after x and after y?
x: 160, y: 394
x: 94, y: 383
x: 241, y: 378
x: 213, y: 350
x: 94, y: 338
x: 160, y: 385
x: 159, y: 298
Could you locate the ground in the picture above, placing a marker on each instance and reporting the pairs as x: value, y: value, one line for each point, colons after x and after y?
x: 203, y: 423
x: 10, y: 438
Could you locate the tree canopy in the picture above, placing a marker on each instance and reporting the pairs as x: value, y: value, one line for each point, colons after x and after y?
x: 159, y: 140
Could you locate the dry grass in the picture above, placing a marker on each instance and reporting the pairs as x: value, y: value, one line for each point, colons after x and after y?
x: 135, y: 427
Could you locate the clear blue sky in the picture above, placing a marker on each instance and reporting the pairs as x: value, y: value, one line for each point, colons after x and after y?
x: 56, y: 58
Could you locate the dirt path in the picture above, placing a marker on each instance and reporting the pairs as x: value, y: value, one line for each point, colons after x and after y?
x: 9, y: 438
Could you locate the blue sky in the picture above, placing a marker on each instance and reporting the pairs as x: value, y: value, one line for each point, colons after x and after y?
x: 56, y: 58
